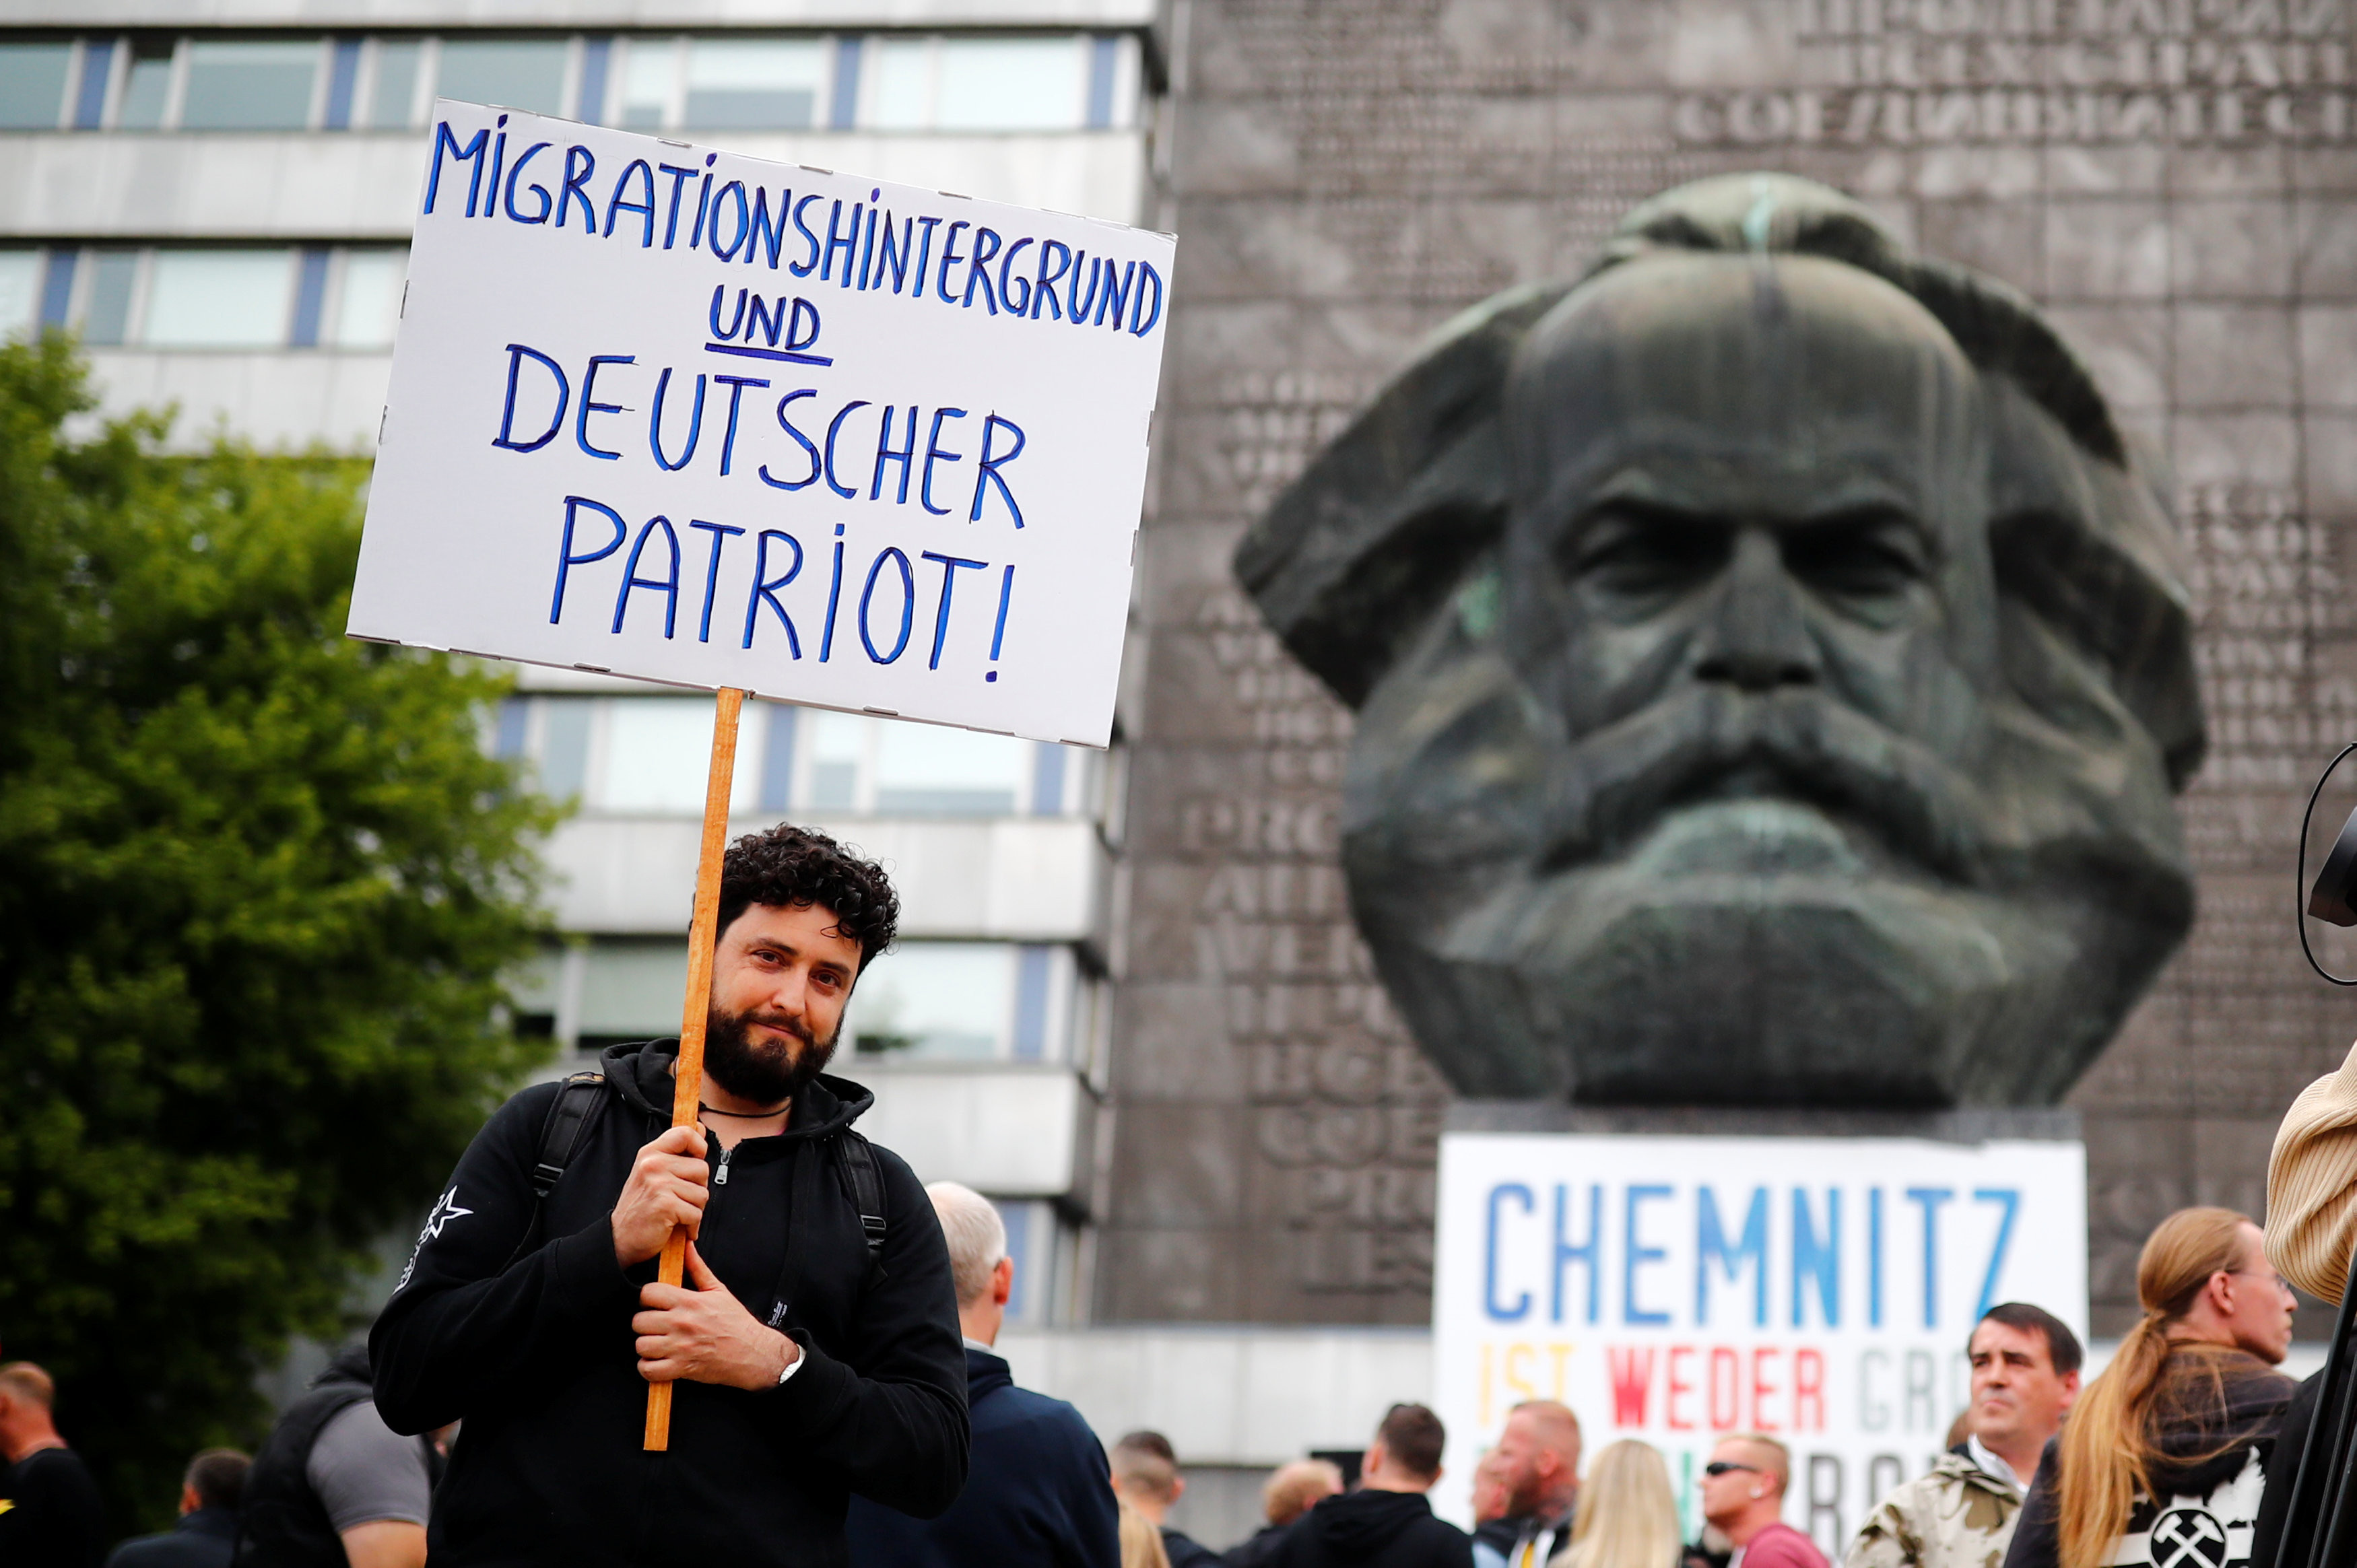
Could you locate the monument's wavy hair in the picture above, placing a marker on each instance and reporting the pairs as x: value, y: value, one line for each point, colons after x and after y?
x: 1999, y: 328
x: 1350, y: 560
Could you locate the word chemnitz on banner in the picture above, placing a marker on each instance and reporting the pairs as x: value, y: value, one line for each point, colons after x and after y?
x: 1678, y: 1288
x: 703, y: 419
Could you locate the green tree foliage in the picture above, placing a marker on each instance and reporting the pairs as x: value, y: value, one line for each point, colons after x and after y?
x: 258, y: 886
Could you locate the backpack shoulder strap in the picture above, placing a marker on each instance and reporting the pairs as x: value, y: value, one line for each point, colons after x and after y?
x: 864, y: 1185
x: 560, y: 1135
x: 578, y: 1099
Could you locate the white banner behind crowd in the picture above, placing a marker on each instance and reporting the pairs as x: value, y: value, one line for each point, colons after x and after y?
x: 703, y: 419
x: 1676, y: 1288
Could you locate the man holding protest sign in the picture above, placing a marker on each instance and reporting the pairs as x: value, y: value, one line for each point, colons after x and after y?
x: 814, y: 1347
x: 802, y: 1308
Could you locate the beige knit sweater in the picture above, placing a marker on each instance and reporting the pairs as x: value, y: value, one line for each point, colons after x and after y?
x: 2312, y: 1185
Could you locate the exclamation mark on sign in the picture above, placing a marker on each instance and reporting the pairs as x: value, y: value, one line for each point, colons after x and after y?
x: 999, y: 633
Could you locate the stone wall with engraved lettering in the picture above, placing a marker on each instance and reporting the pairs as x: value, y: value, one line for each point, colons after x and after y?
x: 2175, y: 180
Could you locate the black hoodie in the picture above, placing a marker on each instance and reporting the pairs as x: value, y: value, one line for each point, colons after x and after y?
x: 536, y: 1354
x: 2216, y: 1466
x: 1369, y: 1528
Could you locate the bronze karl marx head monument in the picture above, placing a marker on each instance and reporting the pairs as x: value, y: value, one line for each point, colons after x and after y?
x: 1771, y: 678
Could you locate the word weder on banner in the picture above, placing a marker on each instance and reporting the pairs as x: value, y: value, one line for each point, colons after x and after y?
x: 698, y: 418
x: 1678, y: 1289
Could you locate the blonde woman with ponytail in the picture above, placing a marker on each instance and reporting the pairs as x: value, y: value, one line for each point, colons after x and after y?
x: 2177, y: 1427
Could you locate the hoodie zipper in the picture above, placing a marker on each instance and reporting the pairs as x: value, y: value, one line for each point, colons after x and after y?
x: 720, y: 1176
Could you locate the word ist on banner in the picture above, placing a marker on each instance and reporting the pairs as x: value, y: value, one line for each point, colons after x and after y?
x: 697, y: 418
x: 1678, y: 1289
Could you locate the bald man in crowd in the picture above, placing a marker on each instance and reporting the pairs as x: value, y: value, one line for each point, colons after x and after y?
x: 50, y: 1510
x: 1536, y: 1459
x: 1743, y: 1495
x: 1038, y: 1493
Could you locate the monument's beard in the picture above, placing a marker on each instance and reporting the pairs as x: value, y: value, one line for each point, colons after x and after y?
x: 1757, y: 896
x: 1710, y: 743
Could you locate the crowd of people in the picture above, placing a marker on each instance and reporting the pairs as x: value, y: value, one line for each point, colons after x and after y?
x: 2184, y: 1424
x: 839, y: 1396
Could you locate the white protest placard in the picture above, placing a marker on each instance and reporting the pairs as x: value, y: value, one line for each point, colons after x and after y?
x: 1676, y: 1288
x: 703, y: 419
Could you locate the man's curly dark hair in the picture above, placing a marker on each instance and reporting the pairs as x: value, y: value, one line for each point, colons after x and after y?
x: 791, y: 867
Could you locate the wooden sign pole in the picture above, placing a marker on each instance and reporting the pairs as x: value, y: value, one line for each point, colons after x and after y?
x: 687, y: 1094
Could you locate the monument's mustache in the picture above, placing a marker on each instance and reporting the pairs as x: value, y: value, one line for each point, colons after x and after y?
x: 1715, y: 741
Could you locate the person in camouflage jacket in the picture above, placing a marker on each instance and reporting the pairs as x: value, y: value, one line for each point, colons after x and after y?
x: 1956, y: 1516
x: 1963, y: 1512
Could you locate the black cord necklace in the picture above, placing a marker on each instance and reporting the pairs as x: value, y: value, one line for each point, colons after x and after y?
x: 745, y: 1115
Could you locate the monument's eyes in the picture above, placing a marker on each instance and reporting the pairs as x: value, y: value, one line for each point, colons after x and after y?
x: 1635, y: 553
x: 1859, y: 557
x: 1634, y: 560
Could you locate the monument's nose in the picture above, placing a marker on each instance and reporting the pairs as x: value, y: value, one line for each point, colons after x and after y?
x: 1755, y: 635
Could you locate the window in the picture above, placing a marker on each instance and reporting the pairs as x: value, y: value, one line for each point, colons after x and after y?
x: 838, y: 748
x: 33, y: 85
x: 932, y: 1001
x: 368, y: 299
x: 220, y: 299
x: 21, y: 291
x: 392, y: 88
x: 724, y: 85
x: 989, y: 84
x: 1035, y: 1241
x: 884, y: 767
x: 565, y: 746
x: 515, y: 73
x: 215, y: 297
x: 1011, y: 84
x: 925, y: 770
x: 631, y: 991
x: 662, y: 82
x: 902, y: 97
x: 146, y: 86
x: 652, y: 71
x: 114, y: 278
x: 658, y: 754
x: 936, y: 1002
x: 248, y: 86
x: 649, y: 756
x: 922, y: 1002
x: 755, y: 85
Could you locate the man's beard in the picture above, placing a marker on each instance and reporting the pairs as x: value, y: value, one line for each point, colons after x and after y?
x: 764, y: 1074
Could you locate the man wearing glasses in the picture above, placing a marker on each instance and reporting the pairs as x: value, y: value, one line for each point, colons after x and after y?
x: 1743, y: 1495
